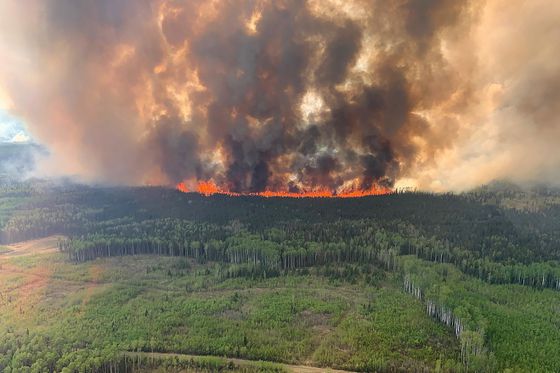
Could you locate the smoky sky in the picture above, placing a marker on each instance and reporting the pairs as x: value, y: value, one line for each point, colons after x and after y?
x: 279, y: 95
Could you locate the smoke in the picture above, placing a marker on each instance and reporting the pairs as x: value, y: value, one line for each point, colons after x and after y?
x: 18, y: 159
x: 287, y: 95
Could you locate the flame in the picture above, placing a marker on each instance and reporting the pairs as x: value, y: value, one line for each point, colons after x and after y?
x: 182, y: 187
x: 208, y: 188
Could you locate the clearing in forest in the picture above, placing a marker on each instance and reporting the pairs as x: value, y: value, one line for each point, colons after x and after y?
x: 31, y: 283
x: 41, y: 246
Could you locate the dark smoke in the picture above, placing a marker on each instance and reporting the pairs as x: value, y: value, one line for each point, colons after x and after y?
x: 254, y: 95
x: 264, y: 76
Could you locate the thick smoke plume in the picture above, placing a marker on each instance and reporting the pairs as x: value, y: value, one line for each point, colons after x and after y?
x: 287, y: 95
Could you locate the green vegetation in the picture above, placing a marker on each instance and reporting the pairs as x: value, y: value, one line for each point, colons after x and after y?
x: 150, y: 277
x: 152, y: 304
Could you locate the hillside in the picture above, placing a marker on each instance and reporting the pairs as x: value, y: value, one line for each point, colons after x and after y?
x: 402, y: 282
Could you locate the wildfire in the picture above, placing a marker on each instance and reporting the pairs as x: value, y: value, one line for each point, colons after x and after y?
x: 182, y: 187
x: 208, y: 188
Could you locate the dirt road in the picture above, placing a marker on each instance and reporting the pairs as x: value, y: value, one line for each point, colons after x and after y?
x: 241, y: 362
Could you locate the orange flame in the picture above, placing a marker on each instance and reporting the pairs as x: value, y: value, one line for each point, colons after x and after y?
x: 208, y: 188
x: 182, y: 187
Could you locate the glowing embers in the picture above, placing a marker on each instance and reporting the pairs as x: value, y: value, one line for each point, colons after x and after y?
x: 208, y: 188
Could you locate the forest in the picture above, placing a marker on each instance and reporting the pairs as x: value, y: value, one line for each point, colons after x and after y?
x: 408, y: 281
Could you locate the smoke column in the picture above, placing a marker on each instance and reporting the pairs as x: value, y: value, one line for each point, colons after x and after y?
x: 292, y: 96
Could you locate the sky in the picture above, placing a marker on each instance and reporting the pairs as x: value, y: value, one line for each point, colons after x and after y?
x: 12, y: 130
x: 441, y: 95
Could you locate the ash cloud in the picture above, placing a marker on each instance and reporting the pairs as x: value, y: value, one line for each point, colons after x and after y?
x: 281, y: 95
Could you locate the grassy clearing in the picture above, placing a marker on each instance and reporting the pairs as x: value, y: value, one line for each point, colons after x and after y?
x: 149, y: 303
x: 4, y: 249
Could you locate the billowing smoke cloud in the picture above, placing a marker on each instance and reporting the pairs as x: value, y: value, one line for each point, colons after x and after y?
x: 287, y: 95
